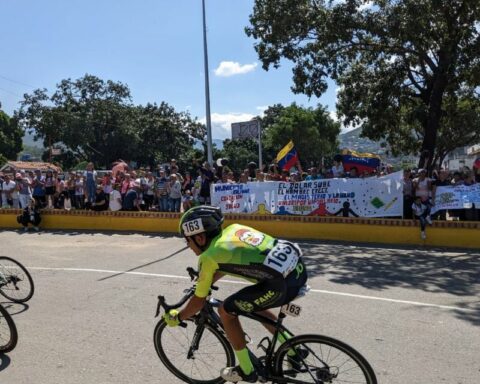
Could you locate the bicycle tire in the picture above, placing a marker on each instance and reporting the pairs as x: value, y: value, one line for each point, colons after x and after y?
x: 8, y: 273
x: 178, y: 371
x: 322, y: 374
x: 12, y: 338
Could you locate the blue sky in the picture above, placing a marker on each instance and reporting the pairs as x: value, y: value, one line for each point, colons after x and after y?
x: 154, y: 46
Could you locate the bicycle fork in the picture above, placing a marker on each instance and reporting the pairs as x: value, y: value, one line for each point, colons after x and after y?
x: 195, y: 341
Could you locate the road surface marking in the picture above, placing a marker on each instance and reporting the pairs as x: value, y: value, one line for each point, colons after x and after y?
x: 366, y: 297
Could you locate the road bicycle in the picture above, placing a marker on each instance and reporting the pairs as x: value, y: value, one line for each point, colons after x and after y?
x: 198, y: 349
x: 8, y: 331
x: 16, y: 283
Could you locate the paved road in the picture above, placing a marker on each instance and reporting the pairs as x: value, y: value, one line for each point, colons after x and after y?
x: 413, y: 313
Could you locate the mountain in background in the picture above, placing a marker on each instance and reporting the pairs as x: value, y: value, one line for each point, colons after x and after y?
x: 352, y: 140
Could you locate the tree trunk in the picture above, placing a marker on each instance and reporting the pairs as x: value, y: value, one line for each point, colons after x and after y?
x: 433, y: 120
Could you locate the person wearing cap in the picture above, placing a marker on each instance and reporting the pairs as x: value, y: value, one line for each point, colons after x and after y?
x: 24, y: 189
x: 100, y: 203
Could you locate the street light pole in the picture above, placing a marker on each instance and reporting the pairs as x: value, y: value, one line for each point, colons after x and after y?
x: 207, y: 89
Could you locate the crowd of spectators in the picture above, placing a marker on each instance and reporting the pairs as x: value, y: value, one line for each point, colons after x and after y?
x: 169, y: 189
x: 420, y: 190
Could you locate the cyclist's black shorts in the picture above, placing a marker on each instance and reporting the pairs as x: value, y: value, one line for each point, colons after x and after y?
x: 268, y: 293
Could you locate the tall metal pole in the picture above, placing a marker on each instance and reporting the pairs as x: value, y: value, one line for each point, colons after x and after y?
x: 260, y: 160
x: 207, y: 89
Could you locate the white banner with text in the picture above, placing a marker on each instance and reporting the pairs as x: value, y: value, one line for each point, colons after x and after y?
x: 457, y: 197
x: 369, y: 197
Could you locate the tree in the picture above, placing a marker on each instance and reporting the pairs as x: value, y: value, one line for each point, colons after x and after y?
x: 396, y: 61
x: 165, y: 134
x: 313, y: 132
x: 92, y: 118
x: 10, y: 137
x: 239, y: 153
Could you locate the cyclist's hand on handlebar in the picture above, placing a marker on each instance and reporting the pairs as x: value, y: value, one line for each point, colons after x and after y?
x: 171, y: 318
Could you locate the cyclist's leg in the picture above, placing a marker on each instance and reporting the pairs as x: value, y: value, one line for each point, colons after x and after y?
x: 250, y: 299
x: 294, y: 282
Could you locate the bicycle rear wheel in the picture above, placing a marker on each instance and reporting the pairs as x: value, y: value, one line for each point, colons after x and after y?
x: 195, y: 354
x: 321, y: 359
x: 8, y: 331
x: 16, y: 283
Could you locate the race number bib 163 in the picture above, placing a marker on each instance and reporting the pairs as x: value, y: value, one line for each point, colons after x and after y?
x: 283, y: 258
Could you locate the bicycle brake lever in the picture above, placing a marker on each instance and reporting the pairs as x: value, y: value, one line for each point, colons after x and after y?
x: 161, y: 301
x: 192, y: 273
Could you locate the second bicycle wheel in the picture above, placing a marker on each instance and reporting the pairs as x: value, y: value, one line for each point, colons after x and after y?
x: 16, y: 284
x: 321, y: 359
x: 8, y: 331
x: 195, y: 354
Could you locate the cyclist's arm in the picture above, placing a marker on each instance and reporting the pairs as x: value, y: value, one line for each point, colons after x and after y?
x: 207, y: 275
x: 217, y: 276
x: 193, y: 306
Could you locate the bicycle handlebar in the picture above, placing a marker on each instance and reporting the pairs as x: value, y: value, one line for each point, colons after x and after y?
x: 188, y: 294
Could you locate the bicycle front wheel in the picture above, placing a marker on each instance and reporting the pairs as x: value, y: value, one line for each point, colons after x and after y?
x: 195, y: 354
x: 321, y: 359
x: 16, y: 284
x: 8, y: 331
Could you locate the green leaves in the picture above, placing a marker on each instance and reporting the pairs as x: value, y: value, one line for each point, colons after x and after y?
x: 94, y: 120
x: 10, y: 137
x: 395, y: 61
x: 312, y: 130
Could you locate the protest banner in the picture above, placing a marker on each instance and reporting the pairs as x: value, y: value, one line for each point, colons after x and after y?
x: 457, y: 197
x: 369, y: 197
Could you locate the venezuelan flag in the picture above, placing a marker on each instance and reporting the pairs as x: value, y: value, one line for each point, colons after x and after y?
x: 287, y: 157
x: 364, y: 162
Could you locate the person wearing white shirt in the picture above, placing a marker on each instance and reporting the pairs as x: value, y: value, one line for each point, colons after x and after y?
x: 337, y: 169
x: 8, y: 189
x: 115, y: 203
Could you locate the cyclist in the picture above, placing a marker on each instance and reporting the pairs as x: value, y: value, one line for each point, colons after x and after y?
x: 274, y: 265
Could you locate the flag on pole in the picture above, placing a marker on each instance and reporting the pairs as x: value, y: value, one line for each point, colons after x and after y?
x: 364, y: 162
x: 287, y: 157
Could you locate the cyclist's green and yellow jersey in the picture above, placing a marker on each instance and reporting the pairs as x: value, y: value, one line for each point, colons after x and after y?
x: 240, y: 251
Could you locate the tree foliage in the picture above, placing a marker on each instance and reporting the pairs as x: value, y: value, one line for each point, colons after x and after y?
x: 10, y: 137
x: 239, y: 153
x: 403, y: 66
x: 313, y: 132
x: 94, y: 120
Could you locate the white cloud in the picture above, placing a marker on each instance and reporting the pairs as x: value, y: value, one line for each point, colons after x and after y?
x: 232, y: 68
x: 333, y: 115
x: 221, y: 123
x: 262, y: 109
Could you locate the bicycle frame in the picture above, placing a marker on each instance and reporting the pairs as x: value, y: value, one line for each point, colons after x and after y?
x: 209, y: 314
